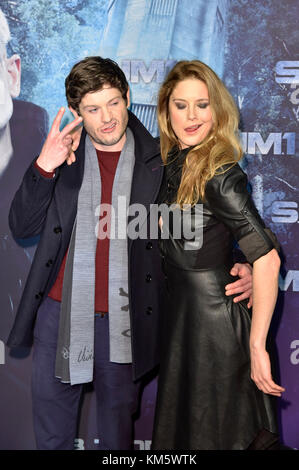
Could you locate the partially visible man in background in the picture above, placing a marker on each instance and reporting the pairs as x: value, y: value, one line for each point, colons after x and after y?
x: 10, y: 75
x: 23, y: 127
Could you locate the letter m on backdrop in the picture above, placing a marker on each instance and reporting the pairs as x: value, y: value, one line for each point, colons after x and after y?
x: 292, y: 277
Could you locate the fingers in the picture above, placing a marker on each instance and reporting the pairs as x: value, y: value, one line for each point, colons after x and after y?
x: 243, y: 285
x: 267, y: 385
x: 261, y: 372
x: 71, y: 158
x: 76, y: 136
x: 244, y: 296
x: 70, y: 127
x: 55, y: 129
x: 68, y: 142
x: 239, y: 286
x: 234, y: 271
x: 241, y: 269
x: 74, y: 112
x: 239, y: 289
x: 57, y: 121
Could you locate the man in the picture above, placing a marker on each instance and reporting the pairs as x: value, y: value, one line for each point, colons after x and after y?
x: 23, y: 128
x: 77, y: 276
x: 10, y: 109
x: 9, y: 88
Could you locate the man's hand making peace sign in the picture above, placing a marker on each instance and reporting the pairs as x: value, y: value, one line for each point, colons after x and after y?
x: 60, y: 145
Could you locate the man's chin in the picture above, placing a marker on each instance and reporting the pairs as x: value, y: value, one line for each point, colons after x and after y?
x: 108, y: 141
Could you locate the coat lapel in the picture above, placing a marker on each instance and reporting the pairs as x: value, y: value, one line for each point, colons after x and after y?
x: 146, y: 184
x: 148, y: 169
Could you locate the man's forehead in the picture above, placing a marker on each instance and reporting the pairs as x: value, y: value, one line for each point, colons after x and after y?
x: 105, y: 93
x: 107, y: 88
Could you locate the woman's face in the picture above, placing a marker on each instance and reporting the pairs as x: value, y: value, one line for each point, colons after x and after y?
x: 189, y: 112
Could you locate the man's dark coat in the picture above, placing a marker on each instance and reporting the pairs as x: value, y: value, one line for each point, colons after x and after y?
x: 48, y: 206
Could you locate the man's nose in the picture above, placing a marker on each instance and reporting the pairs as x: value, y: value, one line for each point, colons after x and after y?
x: 106, y: 115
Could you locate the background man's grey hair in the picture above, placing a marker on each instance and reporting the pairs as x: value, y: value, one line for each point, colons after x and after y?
x: 4, y: 33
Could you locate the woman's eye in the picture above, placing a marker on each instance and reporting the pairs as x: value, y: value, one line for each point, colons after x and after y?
x: 203, y: 105
x: 180, y: 106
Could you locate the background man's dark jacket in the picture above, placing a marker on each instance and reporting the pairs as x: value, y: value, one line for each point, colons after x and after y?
x: 28, y: 129
x: 48, y: 207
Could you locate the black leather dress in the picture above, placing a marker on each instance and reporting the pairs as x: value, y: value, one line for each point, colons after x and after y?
x: 206, y: 398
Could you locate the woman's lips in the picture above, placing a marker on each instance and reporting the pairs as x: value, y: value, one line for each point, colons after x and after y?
x: 192, y: 129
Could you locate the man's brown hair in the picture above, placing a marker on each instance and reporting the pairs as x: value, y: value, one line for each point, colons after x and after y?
x: 90, y: 75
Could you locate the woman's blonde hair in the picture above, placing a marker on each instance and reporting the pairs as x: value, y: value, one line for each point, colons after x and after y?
x: 220, y: 147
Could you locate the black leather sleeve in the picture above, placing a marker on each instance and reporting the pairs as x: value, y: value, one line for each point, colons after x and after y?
x: 229, y: 200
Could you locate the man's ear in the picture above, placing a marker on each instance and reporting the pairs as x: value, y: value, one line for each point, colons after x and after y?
x: 13, y: 67
x: 128, y: 98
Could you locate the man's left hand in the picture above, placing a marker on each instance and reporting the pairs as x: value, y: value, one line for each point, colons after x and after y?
x: 243, y: 285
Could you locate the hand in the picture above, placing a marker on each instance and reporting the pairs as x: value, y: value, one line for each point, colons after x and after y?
x: 76, y: 136
x: 261, y: 372
x: 242, y: 285
x: 58, y: 146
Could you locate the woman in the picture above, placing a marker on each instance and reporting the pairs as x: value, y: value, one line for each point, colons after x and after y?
x: 215, y: 384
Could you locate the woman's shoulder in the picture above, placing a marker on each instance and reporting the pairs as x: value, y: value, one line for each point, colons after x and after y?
x: 227, y: 176
x: 229, y: 184
x: 229, y: 170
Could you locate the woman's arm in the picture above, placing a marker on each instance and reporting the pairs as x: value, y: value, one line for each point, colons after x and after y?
x: 265, y: 287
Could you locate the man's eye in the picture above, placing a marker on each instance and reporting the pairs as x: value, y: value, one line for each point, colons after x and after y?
x: 114, y: 103
x: 93, y: 110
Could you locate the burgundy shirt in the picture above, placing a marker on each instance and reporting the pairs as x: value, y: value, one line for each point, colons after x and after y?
x: 108, y: 163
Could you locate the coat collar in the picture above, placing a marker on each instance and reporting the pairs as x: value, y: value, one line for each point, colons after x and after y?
x: 146, y: 147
